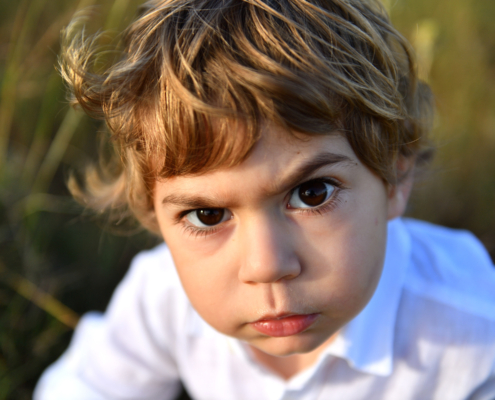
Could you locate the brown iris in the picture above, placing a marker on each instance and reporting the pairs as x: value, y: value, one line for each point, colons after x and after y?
x: 210, y: 216
x: 313, y: 193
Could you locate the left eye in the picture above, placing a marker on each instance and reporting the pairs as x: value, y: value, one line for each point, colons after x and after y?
x: 311, y: 194
x: 208, y: 217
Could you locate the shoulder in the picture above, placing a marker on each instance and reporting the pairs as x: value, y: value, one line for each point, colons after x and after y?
x: 452, y: 267
x: 151, y: 291
x: 154, y: 269
x: 446, y: 315
x: 157, y: 260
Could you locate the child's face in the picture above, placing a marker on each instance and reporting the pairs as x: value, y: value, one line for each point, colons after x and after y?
x: 285, y: 248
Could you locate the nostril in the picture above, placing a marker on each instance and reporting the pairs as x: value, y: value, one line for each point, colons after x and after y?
x: 264, y: 269
x: 269, y: 254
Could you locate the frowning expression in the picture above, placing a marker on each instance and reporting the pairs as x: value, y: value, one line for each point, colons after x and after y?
x: 283, y: 249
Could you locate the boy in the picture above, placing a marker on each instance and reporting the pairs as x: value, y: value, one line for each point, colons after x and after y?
x: 272, y: 143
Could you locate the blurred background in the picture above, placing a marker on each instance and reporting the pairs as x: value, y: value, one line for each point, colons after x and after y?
x: 56, y: 262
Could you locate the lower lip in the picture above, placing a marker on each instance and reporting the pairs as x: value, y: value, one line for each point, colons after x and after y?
x: 286, y: 326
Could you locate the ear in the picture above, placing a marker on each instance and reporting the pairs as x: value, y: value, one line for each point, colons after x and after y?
x: 398, y: 194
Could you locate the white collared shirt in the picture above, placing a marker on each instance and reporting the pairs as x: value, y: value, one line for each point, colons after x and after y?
x: 428, y: 333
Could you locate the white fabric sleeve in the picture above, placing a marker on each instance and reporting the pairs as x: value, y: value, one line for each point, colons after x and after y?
x: 126, y: 353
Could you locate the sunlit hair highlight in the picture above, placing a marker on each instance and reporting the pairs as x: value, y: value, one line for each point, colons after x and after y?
x: 197, y: 79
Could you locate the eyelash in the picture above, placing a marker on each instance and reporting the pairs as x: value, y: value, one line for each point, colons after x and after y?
x: 192, y: 230
x: 330, y: 204
x: 200, y: 232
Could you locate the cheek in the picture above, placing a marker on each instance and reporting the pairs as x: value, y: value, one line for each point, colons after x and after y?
x: 346, y: 252
x: 210, y: 283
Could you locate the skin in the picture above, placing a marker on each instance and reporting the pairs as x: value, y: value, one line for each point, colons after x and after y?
x: 267, y: 257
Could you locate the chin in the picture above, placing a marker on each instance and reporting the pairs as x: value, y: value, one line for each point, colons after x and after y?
x: 288, y: 345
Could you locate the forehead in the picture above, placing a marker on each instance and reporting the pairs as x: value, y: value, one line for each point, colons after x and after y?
x: 277, y: 150
x: 277, y: 160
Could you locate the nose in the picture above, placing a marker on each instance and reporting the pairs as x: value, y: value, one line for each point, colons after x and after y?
x: 268, y: 251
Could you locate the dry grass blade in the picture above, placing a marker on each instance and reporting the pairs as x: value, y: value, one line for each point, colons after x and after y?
x: 57, y: 150
x: 24, y: 24
x: 43, y: 300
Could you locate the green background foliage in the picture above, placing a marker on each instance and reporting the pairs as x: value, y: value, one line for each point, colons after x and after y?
x: 55, y: 260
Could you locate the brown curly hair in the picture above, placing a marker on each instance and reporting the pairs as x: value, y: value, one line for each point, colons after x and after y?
x: 191, y: 71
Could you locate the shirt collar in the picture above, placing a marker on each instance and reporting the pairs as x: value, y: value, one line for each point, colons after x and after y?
x: 367, y: 341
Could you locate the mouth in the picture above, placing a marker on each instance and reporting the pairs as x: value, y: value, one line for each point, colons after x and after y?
x: 284, y: 325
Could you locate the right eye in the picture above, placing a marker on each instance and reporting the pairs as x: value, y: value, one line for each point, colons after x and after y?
x: 311, y: 194
x: 207, y: 217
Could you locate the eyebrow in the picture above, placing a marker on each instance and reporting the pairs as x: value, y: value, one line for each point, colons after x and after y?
x: 321, y: 160
x: 191, y: 201
x: 298, y: 176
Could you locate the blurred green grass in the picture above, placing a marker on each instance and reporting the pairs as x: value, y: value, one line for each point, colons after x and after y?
x: 459, y: 190
x: 56, y: 264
